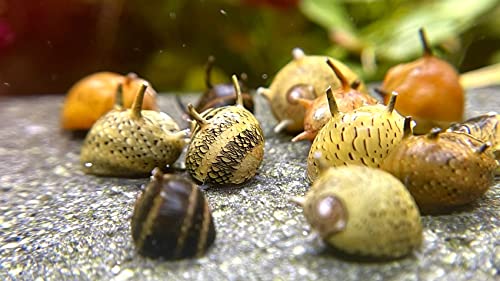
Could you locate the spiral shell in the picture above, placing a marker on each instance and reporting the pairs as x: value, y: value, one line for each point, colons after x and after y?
x: 227, y: 144
x: 442, y: 170
x: 131, y: 142
x: 363, y: 211
x: 364, y: 136
x: 172, y: 219
x: 304, y: 77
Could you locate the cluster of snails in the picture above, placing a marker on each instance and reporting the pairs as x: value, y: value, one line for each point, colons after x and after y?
x: 171, y: 217
x: 432, y: 173
x: 371, y: 176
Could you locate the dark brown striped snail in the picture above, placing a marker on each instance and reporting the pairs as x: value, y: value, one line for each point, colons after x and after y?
x: 227, y: 144
x: 429, y: 90
x: 317, y: 112
x: 131, y: 142
x: 442, y: 170
x: 485, y: 128
x: 364, y: 136
x: 304, y: 77
x: 94, y: 95
x: 172, y: 219
x: 220, y: 95
x: 363, y: 211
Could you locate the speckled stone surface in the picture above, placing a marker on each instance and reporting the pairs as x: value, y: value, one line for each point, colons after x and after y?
x: 57, y: 223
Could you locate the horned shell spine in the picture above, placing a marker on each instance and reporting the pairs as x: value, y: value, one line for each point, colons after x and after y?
x: 172, y: 219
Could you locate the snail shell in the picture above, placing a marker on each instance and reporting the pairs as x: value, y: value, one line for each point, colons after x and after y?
x: 485, y: 128
x: 172, y: 219
x: 429, y: 90
x: 227, y: 144
x: 363, y: 211
x: 93, y: 96
x: 442, y: 170
x: 304, y: 77
x: 317, y: 112
x: 131, y: 142
x: 364, y: 136
x: 220, y: 95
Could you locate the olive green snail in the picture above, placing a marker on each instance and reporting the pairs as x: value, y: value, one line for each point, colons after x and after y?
x: 363, y: 211
x: 227, y: 144
x: 442, y: 170
x: 304, y: 77
x: 172, y: 219
x: 364, y: 136
x: 131, y: 142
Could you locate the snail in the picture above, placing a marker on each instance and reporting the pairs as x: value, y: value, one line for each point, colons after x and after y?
x: 317, y: 112
x: 485, y: 128
x: 93, y: 96
x: 429, y: 90
x: 363, y: 211
x: 304, y: 77
x: 131, y: 142
x: 172, y: 219
x: 442, y: 170
x: 227, y: 143
x: 219, y: 95
x: 363, y: 136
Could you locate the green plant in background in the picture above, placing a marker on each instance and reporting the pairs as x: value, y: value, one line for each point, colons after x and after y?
x: 368, y: 35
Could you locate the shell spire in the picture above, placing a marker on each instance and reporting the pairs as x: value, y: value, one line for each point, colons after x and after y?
x: 237, y: 89
x: 137, y: 105
x: 334, y: 110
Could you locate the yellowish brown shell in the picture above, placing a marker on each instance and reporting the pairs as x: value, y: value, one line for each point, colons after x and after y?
x: 442, y: 170
x: 363, y: 211
x: 364, y: 136
x: 131, y: 142
x: 305, y: 77
x: 227, y: 144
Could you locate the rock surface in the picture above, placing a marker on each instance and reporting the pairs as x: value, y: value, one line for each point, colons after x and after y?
x: 57, y: 223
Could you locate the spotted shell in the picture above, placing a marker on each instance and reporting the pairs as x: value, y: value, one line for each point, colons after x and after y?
x: 227, y: 144
x: 131, y: 142
x: 305, y: 77
x: 364, y: 212
x: 364, y: 136
x: 172, y: 219
x: 442, y: 170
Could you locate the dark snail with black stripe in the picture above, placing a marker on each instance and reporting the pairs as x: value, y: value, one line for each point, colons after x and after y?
x: 227, y: 143
x: 442, y: 170
x: 172, y: 219
x: 364, y: 136
x: 131, y: 142
x: 220, y: 95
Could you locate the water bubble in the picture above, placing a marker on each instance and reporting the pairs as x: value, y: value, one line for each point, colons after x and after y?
x: 264, y: 76
x: 88, y: 165
x: 222, y: 11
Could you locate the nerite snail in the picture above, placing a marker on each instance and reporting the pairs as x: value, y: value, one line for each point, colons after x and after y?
x: 227, y: 143
x: 220, y: 95
x: 304, y: 77
x: 172, y: 219
x: 429, y: 88
x: 131, y: 142
x: 364, y: 136
x: 93, y: 96
x: 317, y: 112
x: 442, y: 170
x: 363, y: 211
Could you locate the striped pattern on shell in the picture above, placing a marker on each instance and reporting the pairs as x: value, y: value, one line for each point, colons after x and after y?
x: 442, y: 171
x: 118, y: 145
x: 228, y: 149
x: 364, y: 136
x: 485, y: 128
x: 172, y: 219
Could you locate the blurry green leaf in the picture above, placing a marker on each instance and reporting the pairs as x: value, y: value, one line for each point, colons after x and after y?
x: 328, y: 14
x: 396, y: 37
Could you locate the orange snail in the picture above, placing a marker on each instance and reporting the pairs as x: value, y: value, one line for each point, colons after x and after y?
x: 429, y: 90
x: 94, y: 95
x: 317, y: 112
